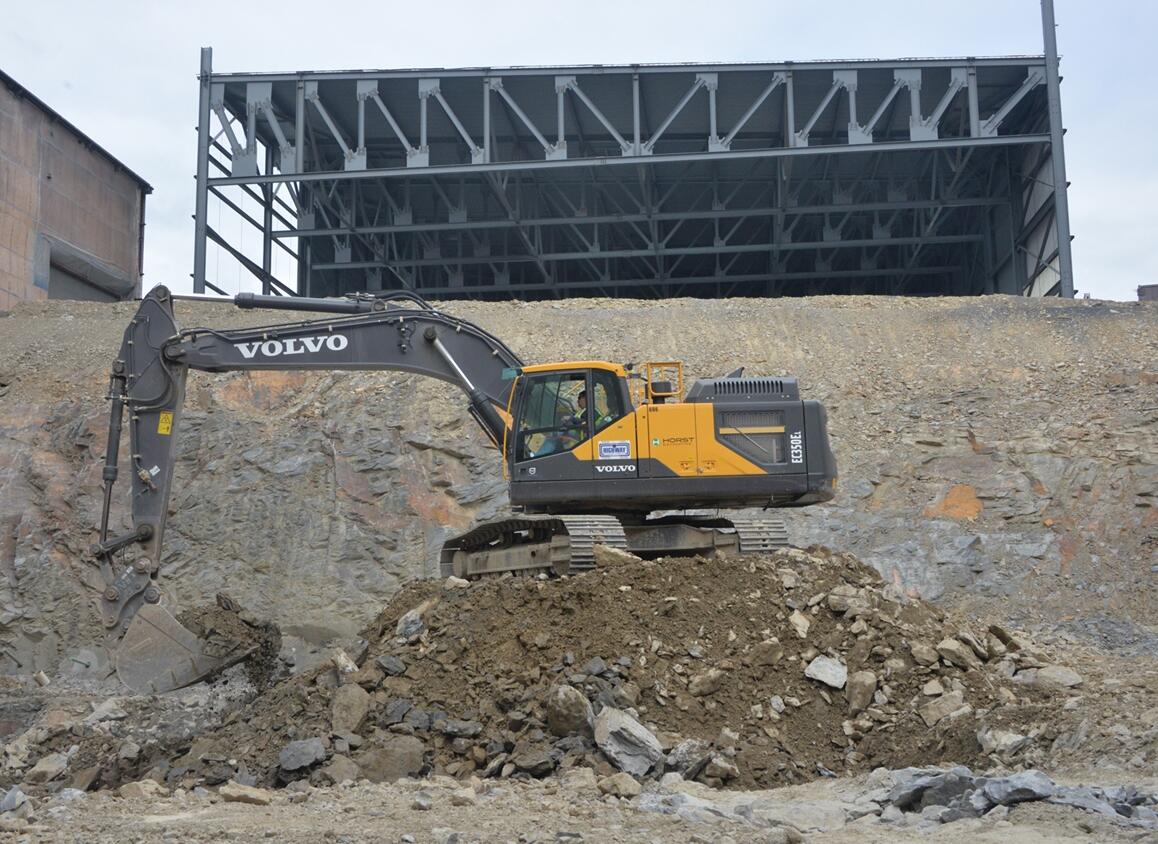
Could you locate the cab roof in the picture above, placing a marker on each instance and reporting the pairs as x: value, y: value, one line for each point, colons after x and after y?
x: 563, y: 366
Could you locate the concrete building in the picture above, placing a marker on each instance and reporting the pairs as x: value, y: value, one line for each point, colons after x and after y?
x: 72, y: 217
x: 1148, y: 293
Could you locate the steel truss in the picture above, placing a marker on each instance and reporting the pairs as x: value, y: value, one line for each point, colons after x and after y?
x: 907, y: 177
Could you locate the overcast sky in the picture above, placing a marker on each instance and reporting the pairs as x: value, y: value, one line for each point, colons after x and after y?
x: 125, y: 74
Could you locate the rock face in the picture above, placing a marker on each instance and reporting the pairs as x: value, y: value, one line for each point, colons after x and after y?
x: 626, y: 743
x: 401, y: 467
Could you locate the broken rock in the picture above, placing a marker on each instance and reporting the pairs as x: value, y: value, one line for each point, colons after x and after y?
x: 1002, y: 742
x: 706, y: 683
x: 47, y: 769
x: 923, y: 654
x: 1056, y: 677
x: 142, y: 789
x: 827, y: 670
x: 392, y: 759
x: 233, y: 792
x: 1022, y: 786
x: 689, y: 757
x: 625, y: 742
x: 620, y: 785
x: 939, y: 708
x: 609, y: 557
x: 350, y: 704
x: 861, y: 687
x: 956, y: 652
x: 568, y: 711
x: 301, y: 754
x: 800, y: 623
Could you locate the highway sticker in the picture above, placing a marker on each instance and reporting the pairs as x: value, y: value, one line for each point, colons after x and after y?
x: 615, y: 450
x: 165, y: 423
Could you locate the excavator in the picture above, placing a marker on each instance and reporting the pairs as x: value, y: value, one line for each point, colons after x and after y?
x: 595, y: 453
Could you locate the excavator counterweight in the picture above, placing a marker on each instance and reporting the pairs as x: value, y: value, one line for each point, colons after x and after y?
x: 595, y: 452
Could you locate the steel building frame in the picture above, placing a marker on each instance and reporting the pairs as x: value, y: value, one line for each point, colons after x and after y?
x: 921, y: 177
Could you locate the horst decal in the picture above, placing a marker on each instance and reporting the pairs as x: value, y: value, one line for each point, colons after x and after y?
x: 615, y: 450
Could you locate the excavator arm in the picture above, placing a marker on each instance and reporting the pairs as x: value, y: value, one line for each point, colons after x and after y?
x: 147, y: 391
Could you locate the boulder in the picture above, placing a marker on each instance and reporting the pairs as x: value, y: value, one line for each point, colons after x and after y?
x: 767, y: 653
x: 689, y: 757
x: 47, y: 769
x: 568, y: 711
x: 1019, y: 787
x: 609, y: 557
x: 923, y: 654
x: 861, y: 687
x: 536, y: 761
x: 800, y: 623
x: 1056, y: 677
x: 392, y: 665
x: 302, y: 754
x: 625, y: 742
x: 349, y: 707
x: 458, y: 728
x: 999, y: 741
x: 706, y: 682
x: 620, y: 785
x: 827, y: 670
x: 721, y: 768
x: 941, y: 707
x: 340, y: 769
x: 142, y: 789
x: 13, y: 799
x: 956, y: 652
x: 233, y: 792
x: 395, y: 757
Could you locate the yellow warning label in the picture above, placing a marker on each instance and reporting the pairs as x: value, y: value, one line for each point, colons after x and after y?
x: 165, y: 423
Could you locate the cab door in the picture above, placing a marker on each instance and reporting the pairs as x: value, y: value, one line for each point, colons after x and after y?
x: 615, y: 449
x: 551, y: 438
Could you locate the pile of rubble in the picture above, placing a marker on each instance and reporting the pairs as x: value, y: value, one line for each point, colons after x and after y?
x: 738, y: 672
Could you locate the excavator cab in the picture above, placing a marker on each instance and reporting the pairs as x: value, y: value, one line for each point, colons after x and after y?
x: 594, y: 437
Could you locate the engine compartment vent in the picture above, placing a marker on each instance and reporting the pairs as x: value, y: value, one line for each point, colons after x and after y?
x: 713, y: 389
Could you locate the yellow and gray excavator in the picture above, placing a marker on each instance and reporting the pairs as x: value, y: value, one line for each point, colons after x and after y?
x: 594, y: 452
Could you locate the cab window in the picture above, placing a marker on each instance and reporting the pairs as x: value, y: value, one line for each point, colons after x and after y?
x: 552, y: 421
x: 608, y: 404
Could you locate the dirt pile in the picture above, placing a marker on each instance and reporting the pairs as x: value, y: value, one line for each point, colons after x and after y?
x: 739, y: 672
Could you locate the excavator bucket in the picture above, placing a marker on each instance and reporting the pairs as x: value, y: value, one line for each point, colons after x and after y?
x: 159, y: 654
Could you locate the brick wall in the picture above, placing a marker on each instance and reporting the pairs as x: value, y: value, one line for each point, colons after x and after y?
x: 53, y: 183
